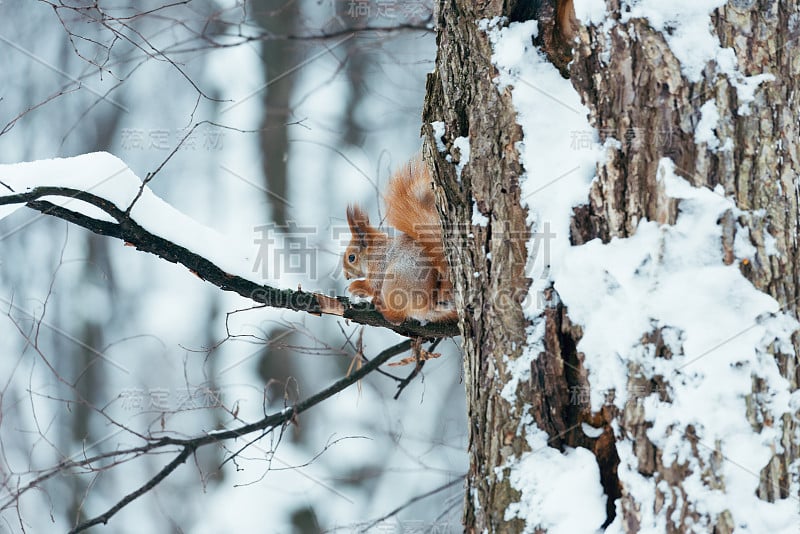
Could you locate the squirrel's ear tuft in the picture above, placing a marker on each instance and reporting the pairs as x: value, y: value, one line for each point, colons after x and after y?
x: 358, y: 221
x: 356, y: 217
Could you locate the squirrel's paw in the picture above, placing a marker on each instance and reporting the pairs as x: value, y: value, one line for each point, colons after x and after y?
x: 360, y: 289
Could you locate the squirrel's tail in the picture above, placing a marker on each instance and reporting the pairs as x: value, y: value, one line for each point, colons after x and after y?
x: 411, y: 209
x: 410, y: 205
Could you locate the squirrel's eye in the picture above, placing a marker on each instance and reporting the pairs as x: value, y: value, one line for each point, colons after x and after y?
x: 351, y: 258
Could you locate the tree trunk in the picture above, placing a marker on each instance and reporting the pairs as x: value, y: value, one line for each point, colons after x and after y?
x: 648, y: 100
x: 462, y: 95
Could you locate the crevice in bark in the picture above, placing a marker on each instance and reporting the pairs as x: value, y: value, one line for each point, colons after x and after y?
x: 564, y: 383
x: 524, y: 10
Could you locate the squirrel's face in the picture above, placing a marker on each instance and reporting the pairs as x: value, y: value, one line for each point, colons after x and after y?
x: 355, y: 256
x: 354, y: 266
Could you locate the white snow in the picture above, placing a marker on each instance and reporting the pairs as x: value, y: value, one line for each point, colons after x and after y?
x: 743, y: 248
x: 720, y: 326
x: 478, y: 218
x: 558, y: 172
x: 561, y: 492
x: 746, y: 90
x: 438, y: 135
x: 519, y: 369
x: 590, y: 11
x: 770, y: 244
x: 704, y: 133
x: 108, y: 177
x: 462, y: 144
x: 591, y: 431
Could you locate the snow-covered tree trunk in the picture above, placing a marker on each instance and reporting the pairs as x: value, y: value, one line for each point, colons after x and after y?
x: 630, y: 282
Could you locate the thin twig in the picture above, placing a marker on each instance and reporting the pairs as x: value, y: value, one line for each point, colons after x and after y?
x: 415, y: 499
x: 413, y: 374
x: 268, y: 423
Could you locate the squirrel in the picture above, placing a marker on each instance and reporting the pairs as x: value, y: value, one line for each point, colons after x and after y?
x: 406, y: 275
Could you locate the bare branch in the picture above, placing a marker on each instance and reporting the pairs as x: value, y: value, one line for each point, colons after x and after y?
x: 265, y: 425
x: 408, y: 503
x: 102, y: 519
x: 417, y: 367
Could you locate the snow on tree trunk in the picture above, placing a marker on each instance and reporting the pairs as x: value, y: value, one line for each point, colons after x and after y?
x: 630, y: 342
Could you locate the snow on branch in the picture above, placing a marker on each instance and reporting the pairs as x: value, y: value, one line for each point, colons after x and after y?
x: 100, y: 193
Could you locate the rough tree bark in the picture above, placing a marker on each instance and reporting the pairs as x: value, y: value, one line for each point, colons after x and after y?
x: 636, y: 92
x: 461, y: 94
x: 641, y: 89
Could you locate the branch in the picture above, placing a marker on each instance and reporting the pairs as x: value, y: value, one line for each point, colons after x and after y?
x: 133, y: 234
x: 267, y: 424
x: 417, y: 367
x: 169, y: 468
x: 411, y: 501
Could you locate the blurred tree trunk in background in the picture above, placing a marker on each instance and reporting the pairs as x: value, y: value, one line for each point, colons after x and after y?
x: 82, y: 367
x: 637, y: 86
x: 280, y: 58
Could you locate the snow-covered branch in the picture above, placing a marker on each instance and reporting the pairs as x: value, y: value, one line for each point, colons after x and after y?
x: 100, y: 193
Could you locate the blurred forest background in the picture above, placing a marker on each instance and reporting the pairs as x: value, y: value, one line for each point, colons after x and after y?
x: 298, y: 108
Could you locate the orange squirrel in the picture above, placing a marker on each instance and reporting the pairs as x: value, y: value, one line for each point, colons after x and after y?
x: 407, y: 275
